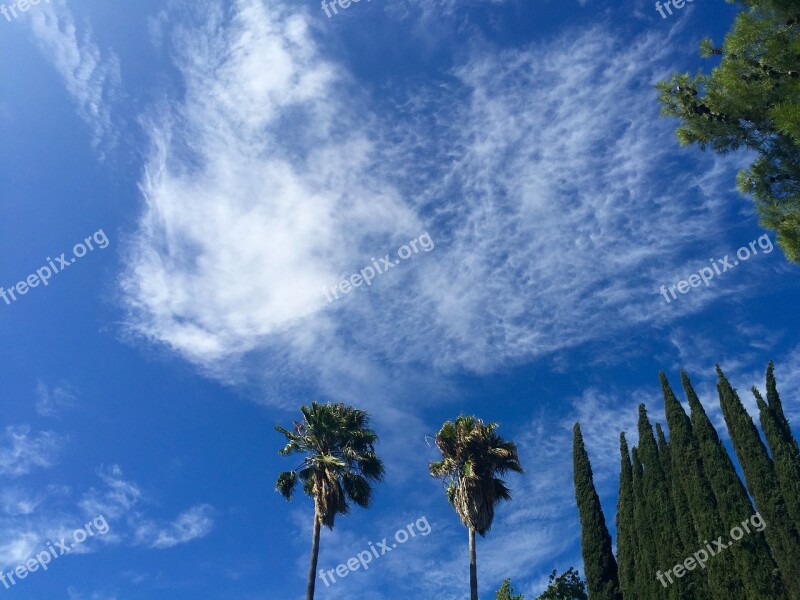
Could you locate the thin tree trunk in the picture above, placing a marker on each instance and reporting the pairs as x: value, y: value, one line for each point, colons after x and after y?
x: 473, y: 567
x: 312, y: 571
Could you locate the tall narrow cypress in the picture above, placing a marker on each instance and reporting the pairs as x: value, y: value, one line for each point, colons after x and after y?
x: 756, y: 565
x: 659, y: 504
x: 783, y: 446
x: 787, y: 466
x: 626, y: 525
x: 598, y: 557
x: 759, y: 473
x: 647, y: 587
x: 696, y: 581
x: 676, y: 486
x: 724, y: 579
x: 663, y: 451
x: 775, y: 404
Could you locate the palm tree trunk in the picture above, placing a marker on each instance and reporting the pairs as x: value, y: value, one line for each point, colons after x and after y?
x: 473, y: 567
x: 312, y: 571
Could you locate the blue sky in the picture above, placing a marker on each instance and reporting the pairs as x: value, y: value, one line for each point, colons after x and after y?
x: 241, y: 156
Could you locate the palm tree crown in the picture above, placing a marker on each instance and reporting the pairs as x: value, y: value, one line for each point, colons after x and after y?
x: 339, y: 459
x: 473, y: 455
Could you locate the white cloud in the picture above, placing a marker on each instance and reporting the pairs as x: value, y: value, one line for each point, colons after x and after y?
x: 90, y: 78
x: 195, y: 523
x: 74, y: 594
x: 28, y: 519
x: 539, y: 174
x: 118, y: 497
x: 16, y: 501
x: 280, y: 205
x: 51, y: 401
x: 17, y: 547
x: 21, y: 452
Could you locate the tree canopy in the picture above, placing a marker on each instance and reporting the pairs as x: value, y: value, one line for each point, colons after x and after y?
x: 751, y: 100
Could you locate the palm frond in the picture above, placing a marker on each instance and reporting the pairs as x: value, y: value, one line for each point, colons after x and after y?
x: 286, y: 484
x: 357, y: 489
x: 473, y: 454
x: 340, y: 459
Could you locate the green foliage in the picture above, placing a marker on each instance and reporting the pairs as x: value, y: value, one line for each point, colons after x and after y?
x: 473, y: 455
x: 776, y: 407
x: 785, y: 452
x: 756, y: 566
x: 567, y: 586
x: 787, y: 465
x: 750, y: 100
x: 723, y: 580
x: 659, y: 508
x: 506, y: 592
x: 626, y: 525
x: 339, y: 460
x: 762, y: 481
x: 598, y: 557
x: 683, y: 491
x: 787, y: 119
x: 645, y: 557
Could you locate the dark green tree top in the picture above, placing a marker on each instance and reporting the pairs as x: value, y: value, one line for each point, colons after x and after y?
x: 660, y: 509
x: 473, y: 455
x: 751, y: 100
x: 506, y: 592
x: 567, y: 586
x: 776, y: 406
x: 626, y: 524
x: 598, y: 556
x: 762, y: 481
x: 339, y: 465
x: 756, y: 566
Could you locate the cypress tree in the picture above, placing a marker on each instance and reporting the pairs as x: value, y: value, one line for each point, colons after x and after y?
x: 782, y: 444
x: 680, y: 503
x: 724, y: 580
x: 663, y: 452
x: 626, y: 525
x: 696, y: 581
x: 759, y: 473
x: 775, y: 404
x: 598, y: 556
x: 787, y: 466
x: 756, y: 566
x: 646, y: 562
x: 659, y: 505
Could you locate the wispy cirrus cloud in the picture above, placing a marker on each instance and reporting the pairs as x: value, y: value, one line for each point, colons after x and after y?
x: 21, y: 451
x: 29, y: 519
x: 91, y: 77
x: 53, y: 400
x: 195, y: 523
x: 118, y: 497
x: 545, y: 196
x: 264, y: 141
x: 74, y: 594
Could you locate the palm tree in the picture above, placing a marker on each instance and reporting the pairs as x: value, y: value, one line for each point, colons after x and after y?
x: 472, y: 457
x: 339, y: 465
